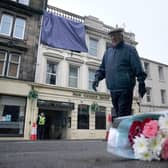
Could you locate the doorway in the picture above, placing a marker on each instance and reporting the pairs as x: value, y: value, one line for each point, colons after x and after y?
x: 56, y: 123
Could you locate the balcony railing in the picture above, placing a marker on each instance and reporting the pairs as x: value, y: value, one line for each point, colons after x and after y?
x: 81, y: 19
x: 65, y: 14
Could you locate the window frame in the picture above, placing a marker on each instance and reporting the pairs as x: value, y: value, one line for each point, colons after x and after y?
x: 92, y: 48
x: 163, y: 96
x: 11, y: 25
x: 9, y: 62
x: 102, y: 117
x: 5, y: 62
x: 73, y: 77
x: 50, y: 73
x: 147, y: 70
x: 148, y: 95
x: 161, y: 73
x: 18, y: 1
x: 23, y: 30
x: 89, y: 80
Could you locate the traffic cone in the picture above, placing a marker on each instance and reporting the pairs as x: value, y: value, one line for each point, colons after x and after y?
x: 33, y: 136
x: 109, y: 120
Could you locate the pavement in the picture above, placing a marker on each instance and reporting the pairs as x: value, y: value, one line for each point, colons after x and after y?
x: 65, y: 154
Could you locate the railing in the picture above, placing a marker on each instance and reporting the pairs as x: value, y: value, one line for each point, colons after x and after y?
x: 80, y: 19
x: 65, y: 14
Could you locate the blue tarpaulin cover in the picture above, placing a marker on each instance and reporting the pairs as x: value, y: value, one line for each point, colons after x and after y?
x: 59, y: 32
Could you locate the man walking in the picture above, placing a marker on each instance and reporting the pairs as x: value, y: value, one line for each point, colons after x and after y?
x: 120, y: 67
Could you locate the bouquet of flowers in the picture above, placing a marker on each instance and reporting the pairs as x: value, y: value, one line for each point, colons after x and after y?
x: 149, y: 138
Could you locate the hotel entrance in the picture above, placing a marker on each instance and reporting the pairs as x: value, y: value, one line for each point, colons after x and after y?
x: 57, y: 118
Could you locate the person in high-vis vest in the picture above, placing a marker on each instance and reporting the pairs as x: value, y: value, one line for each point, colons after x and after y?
x: 41, y: 120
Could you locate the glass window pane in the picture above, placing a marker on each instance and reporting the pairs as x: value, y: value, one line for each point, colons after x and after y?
x: 91, y: 78
x: 19, y: 28
x: 15, y: 58
x: 73, y: 76
x: 6, y: 25
x: 2, y: 62
x: 51, y: 72
x: 12, y: 113
x: 25, y: 2
x: 13, y: 70
x: 83, y: 116
x: 93, y: 47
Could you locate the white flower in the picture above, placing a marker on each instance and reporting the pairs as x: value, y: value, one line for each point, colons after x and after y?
x: 140, y: 144
x: 145, y: 156
x: 163, y: 122
x: 155, y: 144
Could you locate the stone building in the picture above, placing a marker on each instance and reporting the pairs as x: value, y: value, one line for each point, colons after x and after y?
x: 64, y: 83
x: 20, y: 22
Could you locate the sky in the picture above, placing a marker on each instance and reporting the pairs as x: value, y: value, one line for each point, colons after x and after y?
x: 147, y: 19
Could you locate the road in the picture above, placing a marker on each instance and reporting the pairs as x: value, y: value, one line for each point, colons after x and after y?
x: 65, y: 154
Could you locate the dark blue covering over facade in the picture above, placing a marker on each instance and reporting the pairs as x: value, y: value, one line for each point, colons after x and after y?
x: 59, y: 32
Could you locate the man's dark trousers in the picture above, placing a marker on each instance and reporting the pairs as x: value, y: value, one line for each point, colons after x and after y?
x: 40, y: 131
x: 122, y: 102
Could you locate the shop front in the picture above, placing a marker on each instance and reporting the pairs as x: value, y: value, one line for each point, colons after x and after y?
x: 57, y: 117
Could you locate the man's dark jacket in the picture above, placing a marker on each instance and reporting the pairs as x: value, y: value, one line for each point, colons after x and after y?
x: 120, y: 66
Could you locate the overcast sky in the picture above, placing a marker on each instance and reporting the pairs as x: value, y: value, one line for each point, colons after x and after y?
x: 147, y: 19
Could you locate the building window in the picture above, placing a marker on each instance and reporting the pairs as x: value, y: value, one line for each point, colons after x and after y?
x: 100, y: 118
x: 161, y: 74
x: 147, y: 69
x: 6, y: 25
x: 19, y: 28
x: 91, y: 78
x: 10, y: 24
x: 163, y: 96
x: 3, y: 57
x: 73, y: 76
x: 51, y: 73
x: 93, y: 46
x: 83, y: 116
x: 12, y: 115
x: 24, y: 2
x: 9, y: 64
x: 13, y: 65
x: 148, y: 94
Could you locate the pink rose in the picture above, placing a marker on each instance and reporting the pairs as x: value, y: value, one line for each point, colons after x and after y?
x: 164, y: 152
x: 150, y: 129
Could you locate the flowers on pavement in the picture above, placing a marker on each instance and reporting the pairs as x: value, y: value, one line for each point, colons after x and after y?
x: 149, y: 138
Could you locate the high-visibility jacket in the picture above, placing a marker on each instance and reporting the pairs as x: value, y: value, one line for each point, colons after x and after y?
x: 42, y: 120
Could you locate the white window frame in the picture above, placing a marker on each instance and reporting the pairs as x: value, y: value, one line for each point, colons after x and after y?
x: 147, y: 70
x: 73, y: 77
x: 50, y: 73
x: 4, y: 64
x: 163, y: 96
x: 23, y: 30
x: 92, y: 48
x: 161, y: 73
x: 149, y: 95
x: 10, y: 27
x: 89, y: 80
x: 18, y: 63
x: 24, y: 2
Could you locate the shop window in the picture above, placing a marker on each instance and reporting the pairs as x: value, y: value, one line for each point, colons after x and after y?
x: 100, y: 118
x: 91, y: 78
x: 12, y: 115
x: 73, y: 76
x: 12, y: 26
x: 51, y: 73
x: 9, y: 64
x: 83, y: 116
